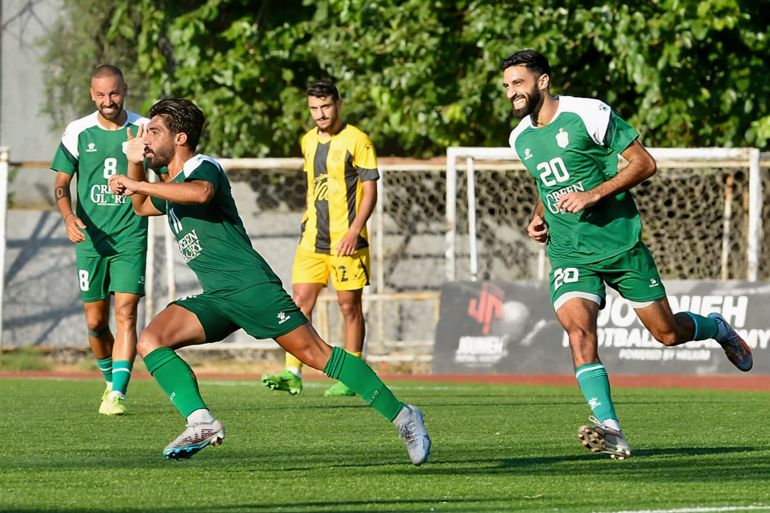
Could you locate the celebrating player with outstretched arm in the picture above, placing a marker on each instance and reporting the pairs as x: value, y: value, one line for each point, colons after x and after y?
x: 240, y: 290
x: 589, y: 221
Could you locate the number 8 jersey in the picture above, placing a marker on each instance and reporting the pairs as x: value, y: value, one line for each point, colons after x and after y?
x: 577, y: 151
x: 94, y: 154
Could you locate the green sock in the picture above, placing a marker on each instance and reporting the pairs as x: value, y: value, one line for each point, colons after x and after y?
x: 105, y: 365
x: 176, y: 378
x: 705, y: 327
x: 593, y: 382
x: 362, y: 380
x: 121, y: 374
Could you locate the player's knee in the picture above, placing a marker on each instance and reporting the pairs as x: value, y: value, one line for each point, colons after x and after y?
x: 351, y: 310
x: 304, y: 302
x: 581, y: 337
x: 98, y: 330
x: 666, y: 337
x: 147, y: 343
x: 126, y: 314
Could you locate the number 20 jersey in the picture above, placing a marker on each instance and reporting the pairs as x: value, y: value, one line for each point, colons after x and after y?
x: 577, y: 151
x: 94, y: 154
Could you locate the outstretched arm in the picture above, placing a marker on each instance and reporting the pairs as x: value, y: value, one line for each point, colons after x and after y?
x: 640, y: 167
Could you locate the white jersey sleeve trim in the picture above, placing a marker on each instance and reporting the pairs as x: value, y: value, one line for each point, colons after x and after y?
x: 194, y: 163
x: 594, y: 113
x: 72, y: 133
x: 516, y: 132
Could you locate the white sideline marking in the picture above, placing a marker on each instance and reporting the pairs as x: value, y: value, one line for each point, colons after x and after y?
x: 716, y: 509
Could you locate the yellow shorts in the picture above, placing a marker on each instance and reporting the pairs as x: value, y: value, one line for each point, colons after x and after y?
x: 347, y: 272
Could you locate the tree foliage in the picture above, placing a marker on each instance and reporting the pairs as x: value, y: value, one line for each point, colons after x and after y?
x: 421, y: 75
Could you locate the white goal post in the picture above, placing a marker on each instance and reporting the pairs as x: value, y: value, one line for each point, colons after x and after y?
x: 475, y: 160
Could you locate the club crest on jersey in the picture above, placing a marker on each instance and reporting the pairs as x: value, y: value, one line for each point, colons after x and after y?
x: 562, y: 138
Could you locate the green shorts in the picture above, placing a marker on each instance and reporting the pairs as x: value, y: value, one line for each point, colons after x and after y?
x: 633, y: 274
x: 99, y: 276
x: 263, y: 311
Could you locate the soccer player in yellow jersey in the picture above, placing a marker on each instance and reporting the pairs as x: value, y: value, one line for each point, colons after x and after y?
x: 341, y: 168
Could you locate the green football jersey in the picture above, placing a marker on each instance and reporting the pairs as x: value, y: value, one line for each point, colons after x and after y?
x: 577, y: 151
x: 211, y: 237
x: 94, y: 154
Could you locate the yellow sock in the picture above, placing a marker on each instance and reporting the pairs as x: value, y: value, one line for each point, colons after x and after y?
x: 293, y: 364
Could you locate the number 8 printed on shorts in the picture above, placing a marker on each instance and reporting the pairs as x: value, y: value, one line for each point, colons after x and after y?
x: 83, y: 280
x: 564, y: 275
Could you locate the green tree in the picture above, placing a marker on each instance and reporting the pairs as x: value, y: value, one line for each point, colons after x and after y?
x: 420, y: 76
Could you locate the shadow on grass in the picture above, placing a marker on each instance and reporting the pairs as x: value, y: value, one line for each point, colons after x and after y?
x: 372, y: 506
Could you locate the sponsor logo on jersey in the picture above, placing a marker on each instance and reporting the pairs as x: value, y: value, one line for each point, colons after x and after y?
x: 562, y: 138
x: 91, y: 147
x: 100, y: 195
x: 190, y: 246
x: 321, y: 187
x: 282, y: 317
x: 653, y: 282
x: 553, y: 197
x: 527, y: 154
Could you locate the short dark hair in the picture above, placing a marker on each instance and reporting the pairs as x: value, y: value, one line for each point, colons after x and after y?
x: 181, y: 116
x: 323, y: 88
x: 107, y: 70
x: 533, y: 61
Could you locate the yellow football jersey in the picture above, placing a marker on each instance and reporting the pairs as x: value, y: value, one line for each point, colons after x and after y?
x: 335, y: 171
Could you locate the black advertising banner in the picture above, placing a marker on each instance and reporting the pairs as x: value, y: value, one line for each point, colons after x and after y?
x: 510, y: 327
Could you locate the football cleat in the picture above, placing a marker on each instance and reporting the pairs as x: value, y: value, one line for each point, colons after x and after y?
x: 338, y: 390
x: 737, y: 351
x: 600, y: 438
x: 410, y: 423
x: 113, y: 405
x: 106, y: 393
x: 284, y: 381
x: 194, y: 438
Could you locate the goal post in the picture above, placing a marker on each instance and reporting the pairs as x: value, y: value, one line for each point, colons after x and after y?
x: 4, y: 168
x: 689, y: 178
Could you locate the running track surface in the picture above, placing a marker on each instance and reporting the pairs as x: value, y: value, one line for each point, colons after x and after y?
x: 720, y: 382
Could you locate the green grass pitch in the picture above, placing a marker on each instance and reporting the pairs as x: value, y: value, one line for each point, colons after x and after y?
x: 495, y: 448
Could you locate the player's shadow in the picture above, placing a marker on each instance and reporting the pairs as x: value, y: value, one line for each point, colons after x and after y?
x: 674, y: 463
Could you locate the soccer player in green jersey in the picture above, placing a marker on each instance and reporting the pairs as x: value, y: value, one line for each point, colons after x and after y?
x: 341, y: 169
x: 240, y: 289
x: 586, y: 216
x: 110, y: 241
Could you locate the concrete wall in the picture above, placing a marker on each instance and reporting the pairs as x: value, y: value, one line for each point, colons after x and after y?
x: 23, y: 127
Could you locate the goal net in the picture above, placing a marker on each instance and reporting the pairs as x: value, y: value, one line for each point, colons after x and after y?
x: 702, y: 215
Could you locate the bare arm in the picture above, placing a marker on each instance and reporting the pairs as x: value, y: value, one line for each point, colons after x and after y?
x: 140, y: 190
x: 537, y: 228
x: 72, y: 222
x: 347, y: 244
x: 640, y: 167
